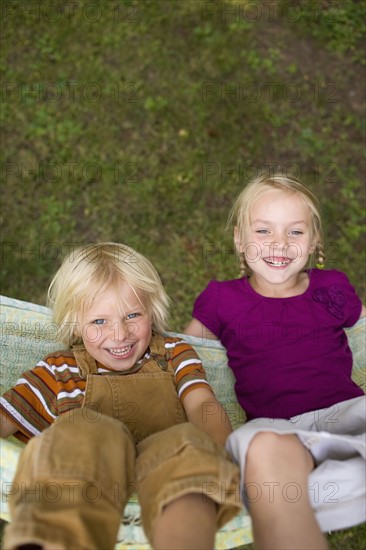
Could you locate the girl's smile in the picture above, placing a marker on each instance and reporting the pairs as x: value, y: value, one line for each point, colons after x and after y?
x: 277, y: 262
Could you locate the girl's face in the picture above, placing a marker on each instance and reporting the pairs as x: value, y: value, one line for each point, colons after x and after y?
x: 116, y: 330
x: 280, y: 240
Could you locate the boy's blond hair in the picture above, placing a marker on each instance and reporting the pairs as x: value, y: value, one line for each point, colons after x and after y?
x: 93, y: 269
x: 254, y: 191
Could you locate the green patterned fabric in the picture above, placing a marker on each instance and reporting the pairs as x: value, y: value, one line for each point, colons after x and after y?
x: 28, y: 334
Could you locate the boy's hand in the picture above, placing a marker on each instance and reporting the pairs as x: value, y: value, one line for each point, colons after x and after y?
x: 205, y: 412
x: 7, y: 427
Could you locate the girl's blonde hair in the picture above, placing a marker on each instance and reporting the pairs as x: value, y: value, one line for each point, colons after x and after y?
x: 93, y: 269
x: 254, y: 191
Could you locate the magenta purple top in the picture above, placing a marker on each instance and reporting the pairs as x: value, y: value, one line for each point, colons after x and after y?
x: 288, y: 355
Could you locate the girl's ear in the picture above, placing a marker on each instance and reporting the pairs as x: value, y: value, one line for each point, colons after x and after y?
x: 313, y: 247
x: 237, y: 241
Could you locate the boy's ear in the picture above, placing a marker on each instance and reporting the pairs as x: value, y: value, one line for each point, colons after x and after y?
x: 77, y: 328
x: 237, y: 240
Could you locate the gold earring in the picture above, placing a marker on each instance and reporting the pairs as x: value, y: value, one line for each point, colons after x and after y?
x: 320, y: 262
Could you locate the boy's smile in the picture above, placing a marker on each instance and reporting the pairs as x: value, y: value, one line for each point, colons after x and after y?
x: 120, y: 352
x: 116, y: 329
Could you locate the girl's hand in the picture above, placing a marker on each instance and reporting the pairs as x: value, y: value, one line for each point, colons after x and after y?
x: 196, y: 328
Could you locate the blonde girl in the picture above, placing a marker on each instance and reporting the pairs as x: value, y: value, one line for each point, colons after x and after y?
x: 302, y: 451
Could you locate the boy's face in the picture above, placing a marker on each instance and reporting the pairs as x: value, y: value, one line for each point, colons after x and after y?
x: 116, y: 330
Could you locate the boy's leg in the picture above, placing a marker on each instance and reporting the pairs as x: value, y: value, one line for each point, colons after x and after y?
x: 71, y: 484
x: 276, y: 488
x: 188, y: 488
x: 188, y: 522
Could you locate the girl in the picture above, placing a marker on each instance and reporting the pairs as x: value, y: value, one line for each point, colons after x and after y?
x: 123, y: 411
x: 303, y: 449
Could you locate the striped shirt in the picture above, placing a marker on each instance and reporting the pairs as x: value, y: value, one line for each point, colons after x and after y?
x: 55, y: 386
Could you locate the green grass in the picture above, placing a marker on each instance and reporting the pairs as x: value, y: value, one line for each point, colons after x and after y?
x: 340, y: 26
x: 140, y: 121
x: 346, y: 539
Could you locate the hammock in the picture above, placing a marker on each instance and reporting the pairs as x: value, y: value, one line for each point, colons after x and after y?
x: 28, y: 334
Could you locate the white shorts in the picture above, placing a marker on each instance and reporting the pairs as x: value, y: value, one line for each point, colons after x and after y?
x: 336, y: 438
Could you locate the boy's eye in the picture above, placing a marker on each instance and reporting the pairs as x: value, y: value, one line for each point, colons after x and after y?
x: 132, y: 316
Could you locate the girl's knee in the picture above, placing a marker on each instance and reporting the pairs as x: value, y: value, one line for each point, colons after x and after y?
x: 268, y: 450
x: 265, y: 444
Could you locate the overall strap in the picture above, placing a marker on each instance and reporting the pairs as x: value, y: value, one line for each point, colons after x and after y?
x: 85, y: 362
x: 158, y: 351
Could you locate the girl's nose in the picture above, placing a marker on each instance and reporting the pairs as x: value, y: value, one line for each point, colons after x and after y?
x: 279, y: 240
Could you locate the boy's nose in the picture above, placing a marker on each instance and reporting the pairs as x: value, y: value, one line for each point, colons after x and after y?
x: 121, y: 331
x: 117, y: 332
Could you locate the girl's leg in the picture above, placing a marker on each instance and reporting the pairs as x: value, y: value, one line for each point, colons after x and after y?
x: 189, y: 522
x: 276, y: 486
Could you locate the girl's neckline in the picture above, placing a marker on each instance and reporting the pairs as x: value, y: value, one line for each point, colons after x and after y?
x: 302, y: 294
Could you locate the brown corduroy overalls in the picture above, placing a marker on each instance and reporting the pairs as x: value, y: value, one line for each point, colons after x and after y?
x: 131, y: 434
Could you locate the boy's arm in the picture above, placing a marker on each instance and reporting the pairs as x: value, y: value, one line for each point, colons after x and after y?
x: 196, y: 328
x: 204, y: 411
x: 7, y: 427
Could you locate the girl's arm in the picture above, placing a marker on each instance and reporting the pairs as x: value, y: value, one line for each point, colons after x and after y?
x: 196, y: 328
x: 363, y: 312
x: 204, y: 411
x: 7, y: 427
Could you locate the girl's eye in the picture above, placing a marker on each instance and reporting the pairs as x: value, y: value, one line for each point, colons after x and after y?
x: 99, y: 322
x: 262, y: 231
x: 295, y: 232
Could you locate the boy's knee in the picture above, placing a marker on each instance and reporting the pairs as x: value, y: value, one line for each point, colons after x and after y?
x: 76, y: 447
x: 185, y: 460
x: 91, y: 425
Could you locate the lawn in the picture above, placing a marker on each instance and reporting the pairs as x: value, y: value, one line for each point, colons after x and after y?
x: 140, y: 121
